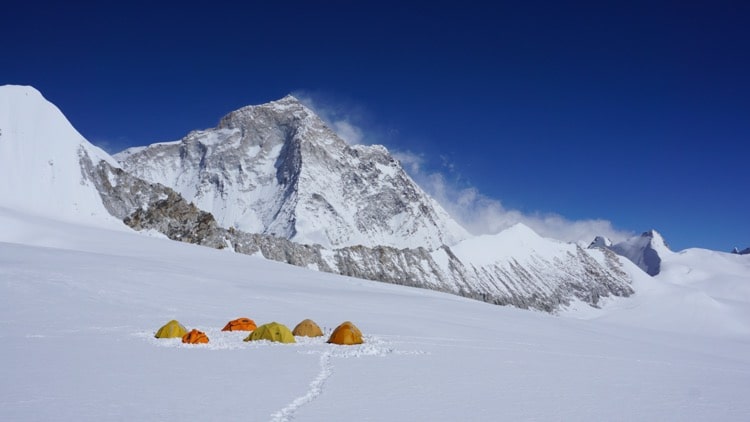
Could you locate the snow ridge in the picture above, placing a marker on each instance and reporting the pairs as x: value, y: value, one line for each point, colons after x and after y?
x: 540, y: 273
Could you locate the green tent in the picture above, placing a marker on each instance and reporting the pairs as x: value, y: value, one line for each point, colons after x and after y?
x: 272, y: 332
x: 172, y: 329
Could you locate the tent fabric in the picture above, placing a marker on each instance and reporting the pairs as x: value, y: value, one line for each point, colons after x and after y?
x: 240, y: 324
x: 195, y: 337
x: 346, y: 334
x: 172, y: 329
x: 307, y: 328
x: 272, y: 331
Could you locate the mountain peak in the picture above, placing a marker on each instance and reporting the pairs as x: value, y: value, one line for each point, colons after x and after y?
x: 289, y: 98
x: 8, y: 91
x: 657, y: 240
x: 600, y: 242
x: 645, y: 250
x: 520, y: 230
x: 286, y: 102
x: 287, y: 114
x: 277, y: 169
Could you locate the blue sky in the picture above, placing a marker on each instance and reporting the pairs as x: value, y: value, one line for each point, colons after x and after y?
x: 637, y: 113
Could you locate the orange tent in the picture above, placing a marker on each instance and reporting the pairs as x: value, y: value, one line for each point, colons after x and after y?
x: 240, y: 324
x: 346, y: 334
x: 195, y: 337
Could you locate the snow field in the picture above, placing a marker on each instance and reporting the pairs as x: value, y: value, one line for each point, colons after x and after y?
x: 77, y: 322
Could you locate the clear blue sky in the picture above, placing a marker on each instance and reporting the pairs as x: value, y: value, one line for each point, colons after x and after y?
x: 638, y: 113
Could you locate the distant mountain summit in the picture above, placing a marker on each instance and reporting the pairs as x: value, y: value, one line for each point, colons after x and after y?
x: 600, y: 242
x: 277, y: 169
x: 745, y: 251
x: 646, y: 251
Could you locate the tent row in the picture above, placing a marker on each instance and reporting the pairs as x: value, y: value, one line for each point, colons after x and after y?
x: 345, y: 334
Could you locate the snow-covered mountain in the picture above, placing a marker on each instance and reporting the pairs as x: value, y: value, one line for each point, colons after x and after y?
x: 277, y: 169
x: 40, y: 156
x: 737, y: 251
x: 515, y: 267
x: 646, y: 251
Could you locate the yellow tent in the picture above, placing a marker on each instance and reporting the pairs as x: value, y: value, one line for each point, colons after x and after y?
x: 172, y: 329
x: 272, y: 331
x: 346, y: 334
x: 307, y: 328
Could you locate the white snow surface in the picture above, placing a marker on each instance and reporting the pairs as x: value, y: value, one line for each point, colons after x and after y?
x: 79, y: 306
x: 40, y: 170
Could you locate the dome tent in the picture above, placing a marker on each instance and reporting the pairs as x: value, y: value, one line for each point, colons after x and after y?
x: 307, y: 328
x: 172, y: 329
x: 272, y: 331
x: 195, y: 337
x: 240, y: 324
x: 346, y: 334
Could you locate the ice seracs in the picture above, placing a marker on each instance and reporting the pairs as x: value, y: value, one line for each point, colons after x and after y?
x: 277, y: 169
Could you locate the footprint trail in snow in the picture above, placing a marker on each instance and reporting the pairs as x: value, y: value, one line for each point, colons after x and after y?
x: 374, y: 348
x: 316, y: 388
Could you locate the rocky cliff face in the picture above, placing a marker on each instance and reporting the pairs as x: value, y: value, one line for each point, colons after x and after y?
x: 277, y: 169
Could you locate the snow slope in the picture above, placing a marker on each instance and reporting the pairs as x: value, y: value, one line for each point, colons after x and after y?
x: 277, y: 169
x: 79, y: 306
x: 40, y: 153
x: 697, y: 291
